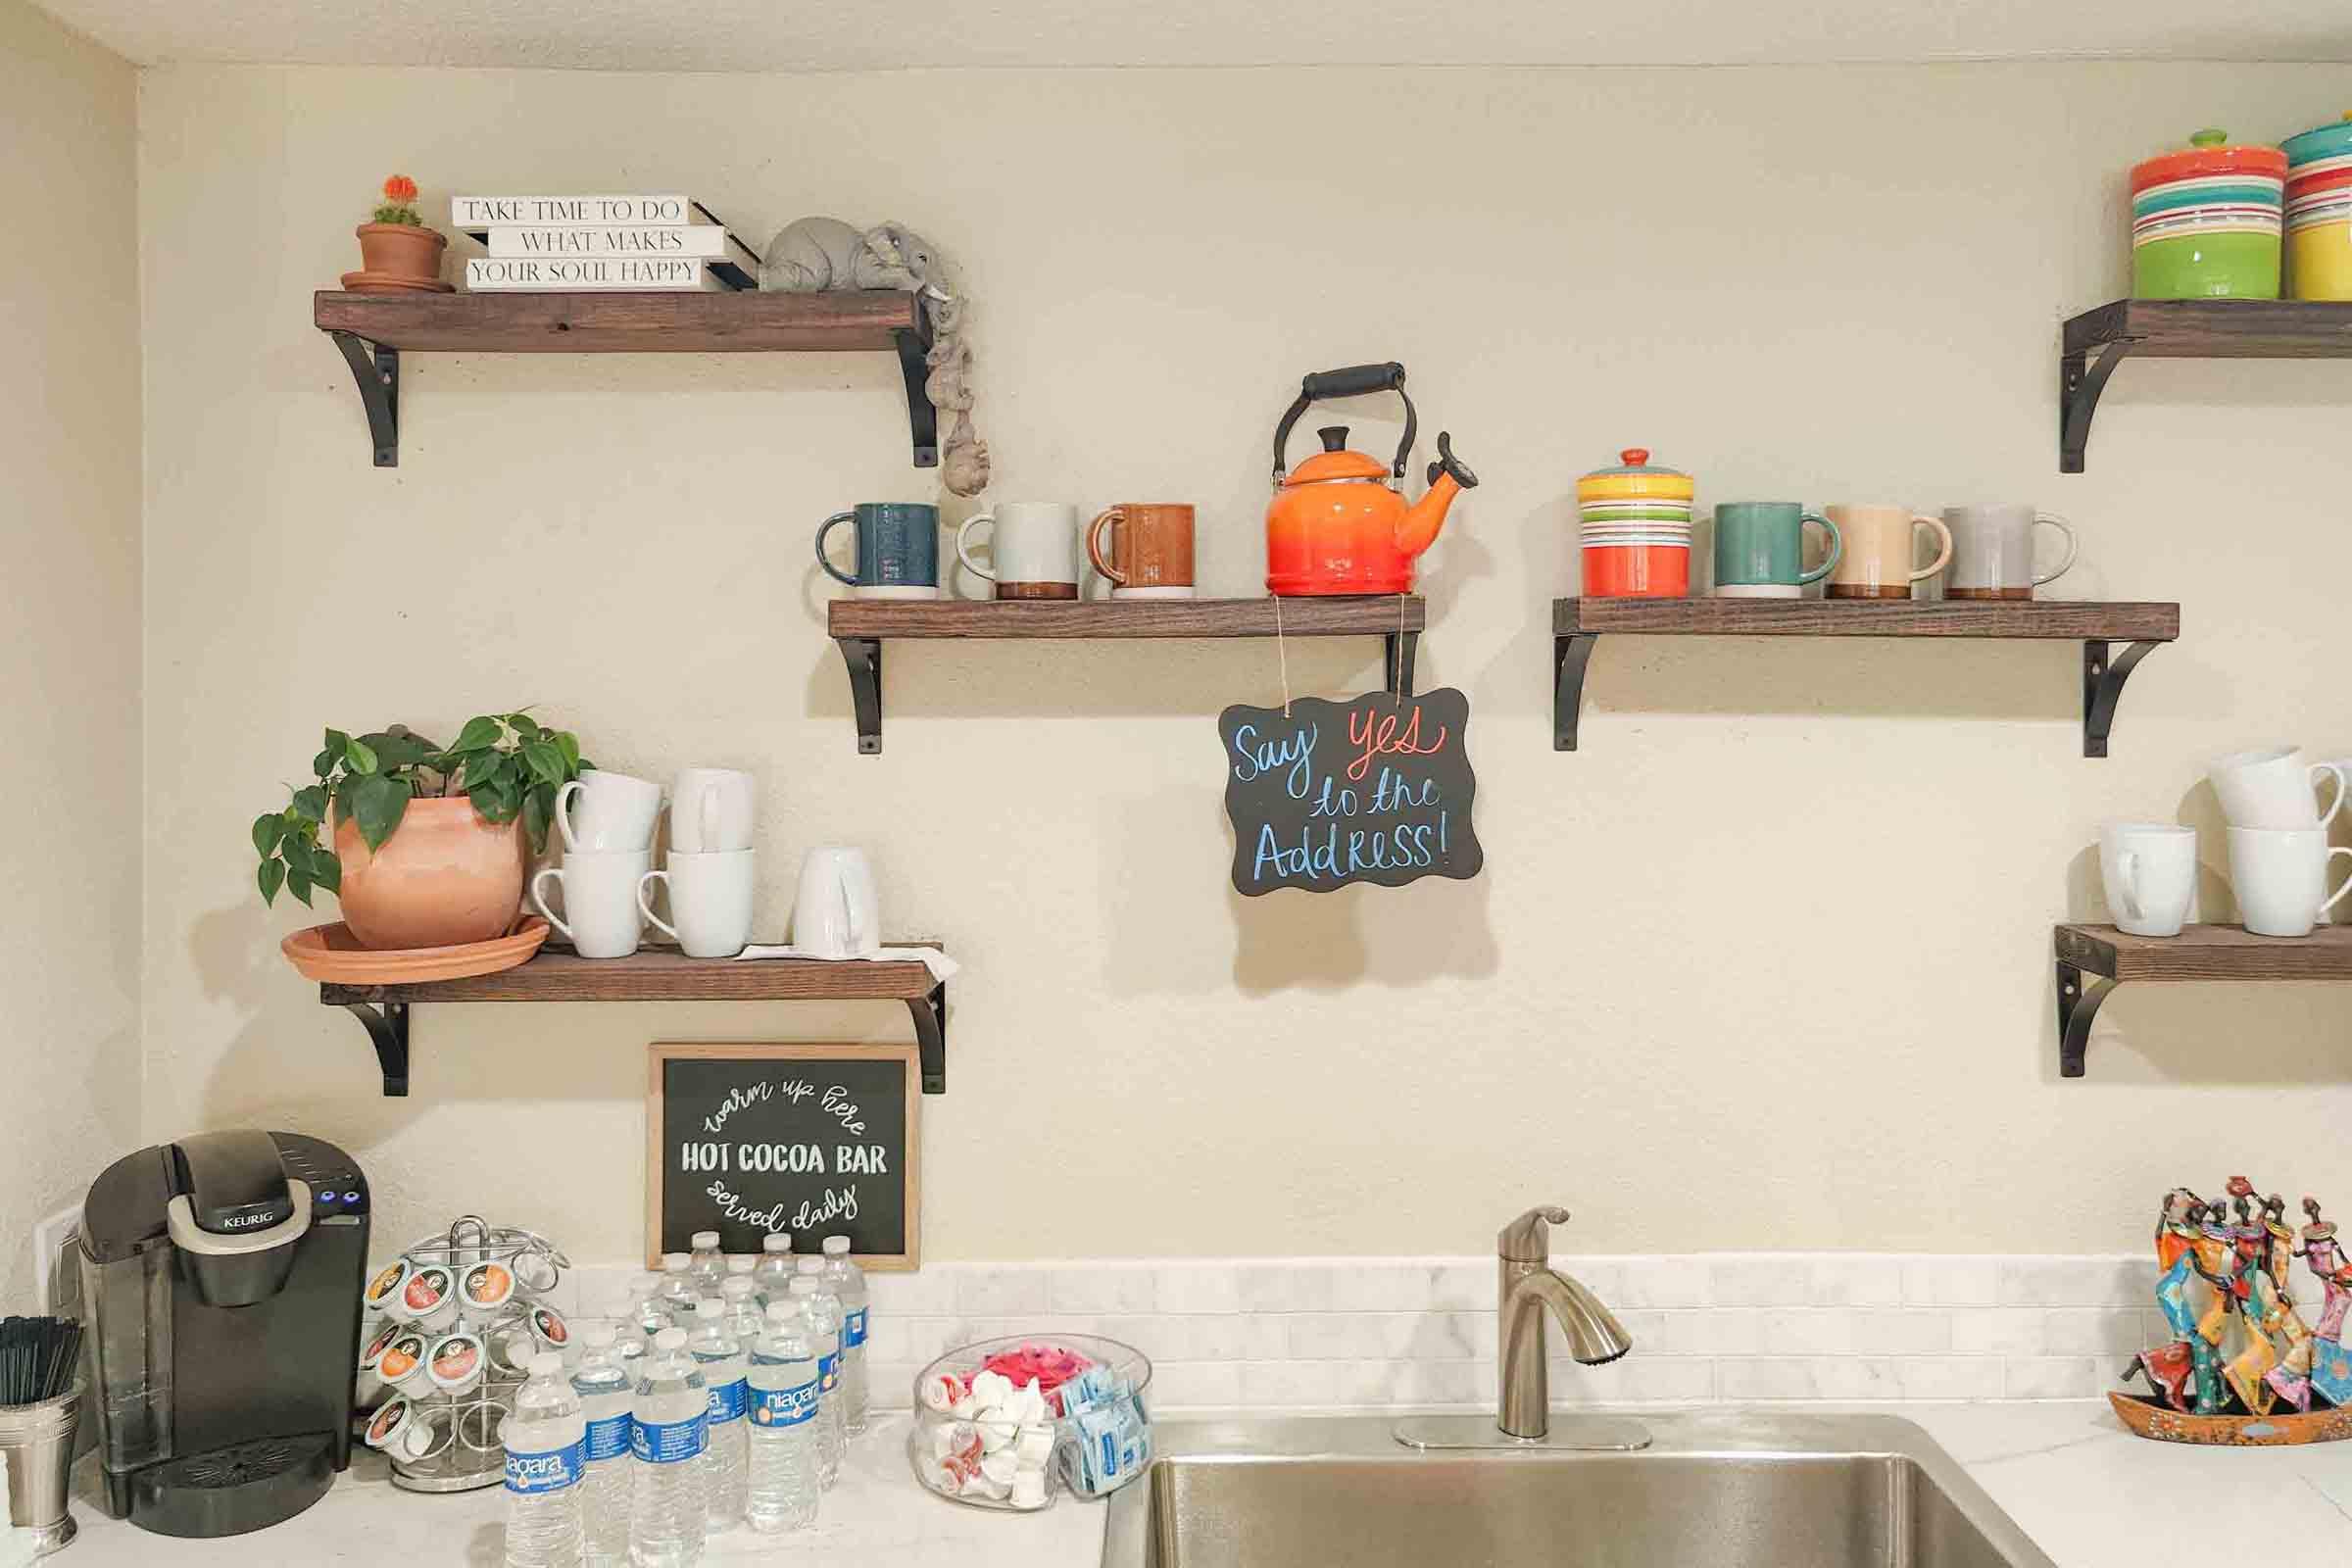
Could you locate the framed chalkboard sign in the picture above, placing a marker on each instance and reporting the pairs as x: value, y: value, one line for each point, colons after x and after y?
x: 1376, y: 789
x: 817, y: 1140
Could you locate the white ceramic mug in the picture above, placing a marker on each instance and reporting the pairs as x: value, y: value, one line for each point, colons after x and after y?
x: 2150, y: 872
x: 1992, y: 551
x: 711, y: 898
x: 711, y: 810
x: 614, y: 812
x: 2272, y: 788
x: 600, y: 917
x: 2280, y: 876
x: 835, y: 915
x: 1032, y: 549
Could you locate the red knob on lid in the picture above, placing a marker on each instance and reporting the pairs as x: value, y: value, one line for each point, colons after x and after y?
x: 1634, y: 457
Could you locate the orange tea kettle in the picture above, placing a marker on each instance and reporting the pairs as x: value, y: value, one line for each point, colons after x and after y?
x: 1338, y: 523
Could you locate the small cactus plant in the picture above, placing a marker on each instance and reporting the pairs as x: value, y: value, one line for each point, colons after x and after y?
x: 399, y: 205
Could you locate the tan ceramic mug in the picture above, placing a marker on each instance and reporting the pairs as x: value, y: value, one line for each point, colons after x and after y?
x: 1150, y: 549
x: 1879, y: 550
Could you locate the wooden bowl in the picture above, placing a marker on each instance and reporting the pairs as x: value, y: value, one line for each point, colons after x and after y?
x: 2148, y: 1418
x: 331, y: 955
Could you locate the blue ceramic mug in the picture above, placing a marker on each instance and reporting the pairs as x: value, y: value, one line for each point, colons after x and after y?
x: 898, y: 549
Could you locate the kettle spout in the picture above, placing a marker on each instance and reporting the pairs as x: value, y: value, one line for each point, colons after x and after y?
x: 1449, y: 477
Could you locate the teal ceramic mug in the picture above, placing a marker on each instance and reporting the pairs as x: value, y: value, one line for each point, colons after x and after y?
x: 1761, y: 549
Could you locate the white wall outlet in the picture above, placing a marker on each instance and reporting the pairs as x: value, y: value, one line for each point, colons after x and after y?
x: 49, y: 1239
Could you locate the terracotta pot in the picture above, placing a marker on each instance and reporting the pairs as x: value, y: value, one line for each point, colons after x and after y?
x: 444, y: 877
x: 399, y: 252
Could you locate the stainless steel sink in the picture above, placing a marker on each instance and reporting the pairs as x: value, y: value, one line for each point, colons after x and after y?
x: 1713, y: 1490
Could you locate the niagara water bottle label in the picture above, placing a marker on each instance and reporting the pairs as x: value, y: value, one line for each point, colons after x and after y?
x: 728, y: 1400
x: 853, y: 1329
x: 551, y: 1471
x: 785, y: 1408
x: 609, y: 1439
x: 668, y: 1442
x: 828, y: 1371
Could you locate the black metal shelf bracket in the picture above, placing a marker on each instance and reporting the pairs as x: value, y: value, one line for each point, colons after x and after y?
x: 387, y: 1026
x: 1402, y: 646
x: 375, y: 367
x: 2080, y: 383
x: 2080, y: 997
x: 2104, y: 672
x: 922, y: 420
x: 1569, y: 654
x: 864, y: 655
x: 931, y: 1036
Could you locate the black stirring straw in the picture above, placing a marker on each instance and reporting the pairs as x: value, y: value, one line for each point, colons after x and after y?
x: 38, y: 1358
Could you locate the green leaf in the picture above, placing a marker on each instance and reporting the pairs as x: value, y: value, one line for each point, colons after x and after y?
x: 544, y: 761
x: 298, y: 883
x: 361, y: 756
x: 478, y: 735
x: 297, y: 851
x: 324, y: 763
x: 311, y: 804
x: 377, y: 804
x: 570, y: 745
x: 523, y: 725
x: 498, y: 802
x: 337, y: 741
x: 396, y: 752
x: 326, y: 870
x: 537, y: 807
x: 268, y: 829
x: 271, y: 874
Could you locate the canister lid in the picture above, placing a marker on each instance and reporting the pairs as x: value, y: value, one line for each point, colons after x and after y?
x: 2208, y: 154
x: 1636, y: 476
x: 2321, y: 141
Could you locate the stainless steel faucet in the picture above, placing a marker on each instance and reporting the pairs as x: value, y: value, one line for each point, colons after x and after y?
x: 1526, y: 1285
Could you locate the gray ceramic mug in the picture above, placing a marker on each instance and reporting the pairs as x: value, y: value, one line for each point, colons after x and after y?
x: 1992, y: 551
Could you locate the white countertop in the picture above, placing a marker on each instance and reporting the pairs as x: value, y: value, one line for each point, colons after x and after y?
x: 2089, y: 1494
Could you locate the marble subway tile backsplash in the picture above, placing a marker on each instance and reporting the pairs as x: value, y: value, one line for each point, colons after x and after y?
x: 1389, y: 1333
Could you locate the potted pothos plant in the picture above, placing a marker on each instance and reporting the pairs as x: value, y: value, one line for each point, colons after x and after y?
x: 425, y: 843
x: 398, y: 254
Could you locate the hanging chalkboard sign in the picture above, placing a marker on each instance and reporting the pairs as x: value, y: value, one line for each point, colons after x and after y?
x: 1373, y: 789
x: 817, y: 1140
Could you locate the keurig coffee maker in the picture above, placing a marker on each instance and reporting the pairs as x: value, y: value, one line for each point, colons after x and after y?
x: 221, y: 1276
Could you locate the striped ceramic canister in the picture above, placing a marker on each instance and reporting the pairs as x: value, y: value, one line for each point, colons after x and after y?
x: 1635, y: 520
x: 2318, y: 212
x: 2206, y: 220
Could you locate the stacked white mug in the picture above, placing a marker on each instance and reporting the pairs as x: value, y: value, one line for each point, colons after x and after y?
x: 607, y: 842
x: 709, y: 872
x: 2278, y: 853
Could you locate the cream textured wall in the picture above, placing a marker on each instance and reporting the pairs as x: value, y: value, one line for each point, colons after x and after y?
x: 69, y: 638
x: 1764, y: 965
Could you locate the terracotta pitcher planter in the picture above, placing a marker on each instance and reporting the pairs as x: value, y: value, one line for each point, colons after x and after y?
x: 396, y: 257
x: 444, y: 877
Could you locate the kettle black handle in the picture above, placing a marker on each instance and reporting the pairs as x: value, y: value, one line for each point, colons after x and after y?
x: 1350, y: 381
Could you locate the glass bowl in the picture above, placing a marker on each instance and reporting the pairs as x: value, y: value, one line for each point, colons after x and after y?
x: 997, y: 1444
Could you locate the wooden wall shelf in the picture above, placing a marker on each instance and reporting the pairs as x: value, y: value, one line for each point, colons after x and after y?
x: 2094, y: 960
x: 372, y: 331
x: 659, y: 974
x: 1577, y: 623
x: 859, y: 628
x: 2184, y: 329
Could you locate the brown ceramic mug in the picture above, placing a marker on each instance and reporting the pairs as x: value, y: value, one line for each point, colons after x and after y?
x: 1150, y: 549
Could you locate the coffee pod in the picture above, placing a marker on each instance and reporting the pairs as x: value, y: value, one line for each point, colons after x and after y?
x: 384, y: 1427
x: 384, y: 1287
x: 430, y: 1298
x: 456, y: 1364
x: 486, y: 1289
x: 548, y: 1328
x: 374, y: 1354
x: 402, y: 1365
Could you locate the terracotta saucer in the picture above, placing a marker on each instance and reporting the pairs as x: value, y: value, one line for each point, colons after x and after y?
x: 331, y: 955
x: 363, y: 282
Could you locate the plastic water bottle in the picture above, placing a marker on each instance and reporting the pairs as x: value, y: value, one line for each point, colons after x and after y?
x: 646, y: 1311
x: 546, y: 1442
x: 785, y: 1484
x: 669, y: 1430
x: 707, y: 1265
x: 607, y: 1392
x: 744, y: 1315
x: 725, y: 1460
x: 846, y: 1281
x: 824, y: 1336
x: 774, y: 1270
x: 678, y: 1295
